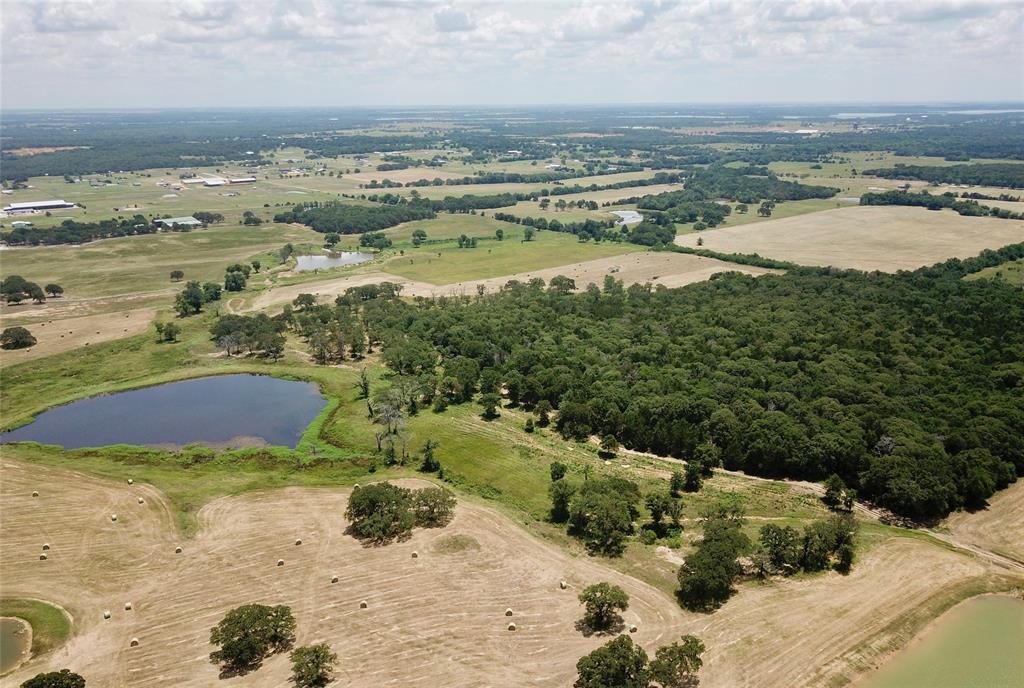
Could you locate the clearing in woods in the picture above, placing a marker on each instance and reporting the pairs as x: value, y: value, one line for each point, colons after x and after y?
x: 447, y: 603
x: 887, y: 238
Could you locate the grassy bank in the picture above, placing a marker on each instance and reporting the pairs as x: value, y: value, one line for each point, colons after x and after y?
x: 50, y: 625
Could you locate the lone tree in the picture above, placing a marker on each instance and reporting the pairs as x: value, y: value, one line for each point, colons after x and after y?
x: 603, y: 602
x: 54, y: 290
x: 491, y: 403
x: 16, y: 338
x: 676, y: 665
x: 65, y: 678
x: 190, y: 300
x: 558, y: 470
x: 177, y: 275
x: 616, y: 664
x: 249, y: 634
x: 313, y: 665
x: 561, y: 493
x: 167, y: 332
x: 707, y: 574
x: 380, y: 512
x: 430, y: 463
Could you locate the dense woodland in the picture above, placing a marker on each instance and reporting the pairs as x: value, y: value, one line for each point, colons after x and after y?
x: 979, y: 174
x: 949, y: 200
x: 342, y: 218
x: 907, y: 386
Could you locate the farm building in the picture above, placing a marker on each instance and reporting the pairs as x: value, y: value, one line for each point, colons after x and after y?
x: 187, y: 221
x: 242, y: 180
x: 36, y: 206
x: 214, y: 182
x: 21, y: 224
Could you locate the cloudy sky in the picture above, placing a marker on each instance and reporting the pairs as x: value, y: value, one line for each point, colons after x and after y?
x: 178, y: 53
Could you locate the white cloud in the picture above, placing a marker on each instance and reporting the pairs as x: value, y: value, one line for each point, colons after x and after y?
x: 400, y: 51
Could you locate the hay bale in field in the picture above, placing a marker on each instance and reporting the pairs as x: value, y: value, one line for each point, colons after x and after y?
x: 511, y: 627
x: 46, y: 546
x: 134, y: 642
x: 177, y: 550
x: 334, y: 579
x: 141, y: 500
x: 113, y: 517
x: 42, y: 557
x: 632, y: 629
x: 280, y: 562
x: 35, y: 493
x: 508, y: 611
x: 127, y: 606
x: 298, y: 541
x: 415, y: 555
x: 106, y: 613
x: 362, y: 605
x: 563, y: 585
x: 130, y: 481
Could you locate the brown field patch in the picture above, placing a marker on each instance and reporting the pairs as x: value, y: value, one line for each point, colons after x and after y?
x: 36, y: 150
x: 999, y: 528
x: 885, y: 238
x: 434, y: 620
x: 59, y: 335
x: 668, y: 269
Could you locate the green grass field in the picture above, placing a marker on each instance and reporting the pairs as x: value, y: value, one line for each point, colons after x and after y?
x: 1012, y: 272
x: 446, y: 263
x: 50, y: 625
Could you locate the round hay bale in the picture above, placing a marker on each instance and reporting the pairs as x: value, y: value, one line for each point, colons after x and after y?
x: 280, y: 562
x: 334, y: 579
x: 298, y: 541
x: 130, y: 481
x: 632, y: 629
x: 134, y: 642
x: 177, y: 550
x: 141, y: 500
x: 563, y: 585
x: 127, y: 606
x: 113, y: 517
x: 415, y: 555
x: 106, y: 613
x: 508, y: 612
x: 46, y: 546
x: 42, y: 557
x: 511, y: 627
x: 362, y: 605
x: 35, y: 493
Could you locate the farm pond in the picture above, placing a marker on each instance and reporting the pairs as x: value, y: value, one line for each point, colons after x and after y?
x: 220, y: 411
x: 15, y: 639
x: 330, y: 260
x: 975, y: 645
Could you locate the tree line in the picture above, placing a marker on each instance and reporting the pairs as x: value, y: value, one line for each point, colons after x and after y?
x: 979, y: 174
x: 74, y: 232
x: 923, y: 199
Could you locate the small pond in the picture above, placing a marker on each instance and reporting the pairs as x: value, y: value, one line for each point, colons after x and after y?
x: 220, y: 411
x: 15, y: 639
x: 330, y: 260
x: 976, y: 645
x: 627, y: 217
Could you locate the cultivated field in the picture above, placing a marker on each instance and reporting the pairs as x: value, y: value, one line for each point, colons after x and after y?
x: 63, y: 334
x: 865, y: 237
x: 436, y: 619
x: 999, y: 528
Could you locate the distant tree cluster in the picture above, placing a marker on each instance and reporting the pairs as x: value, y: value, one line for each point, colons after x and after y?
x: 14, y: 289
x: 949, y: 200
x: 1009, y: 175
x: 346, y: 218
x: 620, y: 663
x: 191, y: 299
x: 74, y: 232
x: 258, y: 334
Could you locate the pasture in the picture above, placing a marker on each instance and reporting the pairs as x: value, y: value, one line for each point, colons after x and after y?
x: 886, y: 238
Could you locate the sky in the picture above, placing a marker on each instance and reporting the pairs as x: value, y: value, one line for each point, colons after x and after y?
x: 210, y: 53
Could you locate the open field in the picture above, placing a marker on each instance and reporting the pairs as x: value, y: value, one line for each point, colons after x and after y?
x: 64, y: 334
x: 97, y: 564
x: 658, y: 268
x: 800, y: 632
x: 999, y: 528
x: 1012, y: 272
x: 885, y: 238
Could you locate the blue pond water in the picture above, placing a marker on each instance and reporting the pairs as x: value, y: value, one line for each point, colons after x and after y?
x: 220, y: 411
x: 330, y: 260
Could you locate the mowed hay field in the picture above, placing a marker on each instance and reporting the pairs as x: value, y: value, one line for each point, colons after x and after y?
x: 999, y: 528
x: 437, y: 619
x: 884, y: 238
